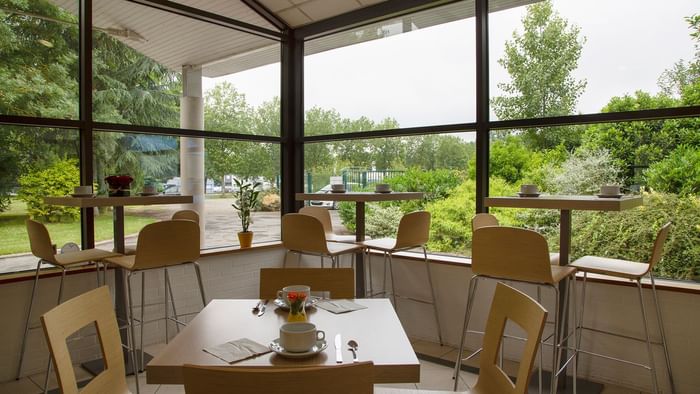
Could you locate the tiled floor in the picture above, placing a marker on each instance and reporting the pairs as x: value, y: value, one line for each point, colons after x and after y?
x: 433, y: 376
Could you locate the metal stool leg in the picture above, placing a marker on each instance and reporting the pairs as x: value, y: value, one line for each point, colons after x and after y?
x: 369, y: 272
x: 58, y: 302
x: 165, y: 305
x: 384, y: 277
x: 539, y: 371
x: 432, y: 293
x: 555, y: 341
x: 26, y: 324
x: 662, y: 331
x: 393, y: 284
x: 131, y: 328
x: 575, y: 308
x: 143, y: 310
x: 652, y: 368
x: 467, y: 313
x: 198, y: 272
x: 172, y: 301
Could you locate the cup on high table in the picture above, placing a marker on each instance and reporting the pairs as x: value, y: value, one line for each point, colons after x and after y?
x: 528, y: 189
x: 382, y: 187
x: 149, y: 189
x: 337, y: 187
x: 82, y: 190
x: 610, y: 190
x: 300, y: 337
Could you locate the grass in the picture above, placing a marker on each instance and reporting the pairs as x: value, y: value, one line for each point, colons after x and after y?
x: 13, y: 231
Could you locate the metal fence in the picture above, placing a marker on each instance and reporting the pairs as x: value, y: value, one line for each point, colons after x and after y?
x: 352, y: 178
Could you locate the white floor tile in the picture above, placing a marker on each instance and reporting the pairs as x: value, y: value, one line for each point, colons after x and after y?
x: 22, y: 386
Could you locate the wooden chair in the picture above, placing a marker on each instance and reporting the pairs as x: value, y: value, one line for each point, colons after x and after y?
x: 413, y: 232
x: 59, y: 323
x: 325, y: 218
x: 340, y: 282
x: 43, y: 248
x: 304, y: 234
x: 519, y: 255
x: 161, y: 245
x: 186, y: 214
x: 353, y: 378
x: 633, y: 271
x: 508, y: 304
x: 486, y: 219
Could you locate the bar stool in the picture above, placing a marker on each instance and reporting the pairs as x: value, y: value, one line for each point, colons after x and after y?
x: 486, y: 219
x: 413, y: 232
x: 633, y: 271
x: 325, y: 218
x: 160, y: 245
x: 304, y: 234
x: 518, y: 255
x: 42, y: 247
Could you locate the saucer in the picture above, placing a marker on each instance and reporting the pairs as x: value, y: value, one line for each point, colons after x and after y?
x: 610, y: 195
x: 528, y: 194
x: 382, y: 191
x: 315, y: 349
x: 338, y: 191
x: 282, y: 304
x: 83, y: 195
x: 142, y: 194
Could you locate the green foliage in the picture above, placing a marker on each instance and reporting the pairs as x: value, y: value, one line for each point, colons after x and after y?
x: 436, y: 184
x: 630, y: 234
x: 509, y: 159
x: 383, y: 221
x: 246, y: 201
x: 678, y: 173
x: 56, y: 180
x: 541, y: 61
x: 584, y: 172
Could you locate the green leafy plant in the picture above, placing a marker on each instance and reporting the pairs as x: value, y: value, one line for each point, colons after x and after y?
x: 56, y: 180
x: 678, y: 173
x: 246, y: 201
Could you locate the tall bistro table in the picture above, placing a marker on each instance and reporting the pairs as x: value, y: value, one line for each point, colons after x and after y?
x: 376, y: 329
x: 360, y: 198
x: 565, y: 204
x: 118, y: 203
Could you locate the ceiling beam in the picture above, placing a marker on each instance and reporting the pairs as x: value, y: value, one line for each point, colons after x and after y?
x: 209, y: 17
x: 362, y: 16
x: 266, y: 14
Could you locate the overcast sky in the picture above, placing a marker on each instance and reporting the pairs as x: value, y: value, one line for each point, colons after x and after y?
x: 427, y: 76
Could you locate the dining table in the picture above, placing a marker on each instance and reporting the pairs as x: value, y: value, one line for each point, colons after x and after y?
x: 88, y: 203
x: 376, y: 329
x: 360, y: 199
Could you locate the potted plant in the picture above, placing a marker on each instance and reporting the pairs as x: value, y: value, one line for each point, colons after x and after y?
x: 246, y: 200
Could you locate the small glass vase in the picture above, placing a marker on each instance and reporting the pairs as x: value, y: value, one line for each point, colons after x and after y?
x: 297, y: 304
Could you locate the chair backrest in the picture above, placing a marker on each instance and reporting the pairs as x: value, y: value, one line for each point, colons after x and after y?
x: 509, y: 304
x: 356, y: 378
x: 303, y: 233
x: 40, y: 241
x: 414, y: 230
x: 322, y: 215
x: 340, y: 282
x: 186, y: 214
x: 511, y: 253
x: 482, y: 220
x: 169, y: 242
x: 658, y: 250
x: 69, y: 317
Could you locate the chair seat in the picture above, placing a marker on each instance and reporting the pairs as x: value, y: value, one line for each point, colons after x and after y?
x: 383, y: 244
x: 559, y: 272
x: 126, y: 261
x: 612, y: 267
x: 83, y: 256
x: 338, y: 248
x: 340, y: 238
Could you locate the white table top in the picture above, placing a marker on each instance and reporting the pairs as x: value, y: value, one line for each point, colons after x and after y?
x: 587, y: 203
x: 360, y: 196
x: 377, y: 329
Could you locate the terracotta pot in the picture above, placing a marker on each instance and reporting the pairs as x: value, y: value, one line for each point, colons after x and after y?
x: 245, y: 238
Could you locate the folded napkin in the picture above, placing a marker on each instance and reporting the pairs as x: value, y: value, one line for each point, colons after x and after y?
x: 339, y: 306
x: 237, y: 350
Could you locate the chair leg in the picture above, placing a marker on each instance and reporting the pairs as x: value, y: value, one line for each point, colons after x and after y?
x: 432, y: 293
x: 368, y: 266
x: 165, y: 304
x: 384, y: 277
x: 172, y: 301
x: 467, y: 313
x: 539, y: 372
x: 131, y: 329
x: 575, y: 322
x: 49, y: 363
x: 652, y: 367
x: 198, y: 272
x: 555, y: 340
x: 143, y: 310
x: 662, y: 331
x: 26, y: 324
x: 393, y: 284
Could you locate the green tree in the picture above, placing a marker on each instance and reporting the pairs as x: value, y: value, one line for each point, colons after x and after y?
x: 540, y: 61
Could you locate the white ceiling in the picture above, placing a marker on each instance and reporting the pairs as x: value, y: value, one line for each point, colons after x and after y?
x: 176, y: 41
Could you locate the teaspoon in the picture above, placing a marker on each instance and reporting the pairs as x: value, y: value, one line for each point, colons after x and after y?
x: 353, y: 348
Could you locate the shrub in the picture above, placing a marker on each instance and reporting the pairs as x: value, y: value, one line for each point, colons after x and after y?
x: 383, y: 222
x: 57, y: 180
x: 436, y: 184
x: 678, y: 173
x: 585, y: 171
x: 630, y: 234
x: 270, y: 202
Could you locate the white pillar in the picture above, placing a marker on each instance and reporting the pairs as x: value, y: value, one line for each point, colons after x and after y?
x: 192, y: 149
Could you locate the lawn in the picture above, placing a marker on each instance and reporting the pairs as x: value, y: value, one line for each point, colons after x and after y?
x: 13, y: 232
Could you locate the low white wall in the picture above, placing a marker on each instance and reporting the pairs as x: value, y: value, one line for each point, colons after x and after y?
x: 237, y: 276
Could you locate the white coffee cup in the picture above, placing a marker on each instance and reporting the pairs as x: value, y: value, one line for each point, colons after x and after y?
x: 149, y: 189
x: 300, y: 337
x: 82, y: 190
x: 382, y: 187
x: 282, y: 294
x: 610, y: 190
x: 528, y: 189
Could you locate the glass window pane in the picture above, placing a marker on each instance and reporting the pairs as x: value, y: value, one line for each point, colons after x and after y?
x: 569, y: 57
x: 437, y: 165
x: 38, y: 60
x: 416, y: 70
